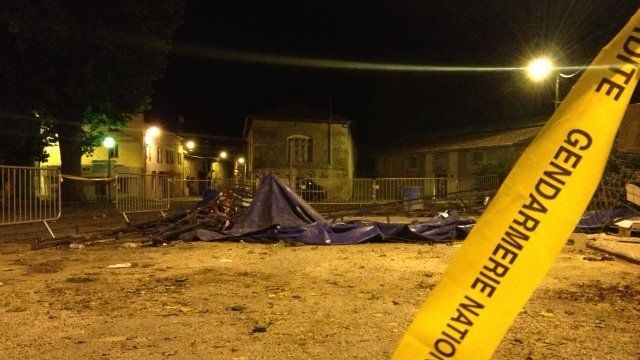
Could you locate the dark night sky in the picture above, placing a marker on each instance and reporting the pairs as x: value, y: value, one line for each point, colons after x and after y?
x: 215, y: 95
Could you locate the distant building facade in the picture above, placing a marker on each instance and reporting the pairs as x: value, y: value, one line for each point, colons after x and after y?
x: 467, y: 152
x: 136, y: 151
x: 298, y: 142
x: 457, y: 154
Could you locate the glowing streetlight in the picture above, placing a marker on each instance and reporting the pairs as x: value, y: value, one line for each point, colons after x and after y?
x: 151, y: 133
x: 109, y: 142
x: 244, y: 167
x: 540, y: 69
x: 190, y: 145
x: 223, y: 155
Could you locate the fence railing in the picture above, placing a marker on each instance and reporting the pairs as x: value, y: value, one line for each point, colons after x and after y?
x: 29, y: 194
x: 142, y: 193
x: 385, y: 190
x: 246, y: 186
x: 336, y: 191
x: 188, y: 188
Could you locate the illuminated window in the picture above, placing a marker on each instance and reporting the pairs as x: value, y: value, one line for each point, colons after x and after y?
x: 299, y: 148
x: 159, y: 155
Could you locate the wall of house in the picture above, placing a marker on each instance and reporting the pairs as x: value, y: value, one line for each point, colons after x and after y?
x: 130, y: 152
x: 628, y: 138
x: 332, y: 156
x: 452, y: 164
x: 165, y: 155
x: 406, y: 165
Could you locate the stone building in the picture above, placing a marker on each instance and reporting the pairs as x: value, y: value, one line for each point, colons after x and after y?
x: 296, y: 142
x: 455, y: 153
x: 467, y: 152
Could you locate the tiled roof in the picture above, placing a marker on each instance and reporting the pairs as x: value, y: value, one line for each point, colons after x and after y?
x: 472, y: 141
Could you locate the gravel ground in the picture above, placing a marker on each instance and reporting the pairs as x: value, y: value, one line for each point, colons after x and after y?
x: 273, y: 301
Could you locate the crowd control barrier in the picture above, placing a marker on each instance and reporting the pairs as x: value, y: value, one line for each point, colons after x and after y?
x: 29, y: 194
x: 136, y: 193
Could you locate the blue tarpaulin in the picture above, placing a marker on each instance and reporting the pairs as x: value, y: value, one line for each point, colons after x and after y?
x: 277, y: 213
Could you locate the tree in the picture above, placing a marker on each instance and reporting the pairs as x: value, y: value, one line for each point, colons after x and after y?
x: 22, y: 145
x: 84, y: 64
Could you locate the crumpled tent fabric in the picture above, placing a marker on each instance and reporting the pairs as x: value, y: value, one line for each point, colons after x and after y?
x: 597, y: 221
x: 277, y: 213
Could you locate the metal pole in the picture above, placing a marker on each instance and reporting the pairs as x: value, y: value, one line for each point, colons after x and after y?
x: 108, y: 174
x: 557, y: 100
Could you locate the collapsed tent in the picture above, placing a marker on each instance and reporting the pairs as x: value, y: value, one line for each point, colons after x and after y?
x: 277, y: 213
x: 598, y: 221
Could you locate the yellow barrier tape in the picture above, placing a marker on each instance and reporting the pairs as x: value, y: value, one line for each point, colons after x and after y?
x: 519, y: 236
x: 73, y: 177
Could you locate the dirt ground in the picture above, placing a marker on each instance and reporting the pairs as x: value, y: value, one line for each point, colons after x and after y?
x: 274, y: 301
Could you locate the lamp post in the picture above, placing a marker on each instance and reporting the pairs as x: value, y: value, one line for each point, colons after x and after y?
x: 540, y: 69
x: 109, y: 143
x: 189, y: 145
x: 241, y: 161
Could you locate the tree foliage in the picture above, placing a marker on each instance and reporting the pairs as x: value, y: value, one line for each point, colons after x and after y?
x: 85, y: 64
x: 21, y: 145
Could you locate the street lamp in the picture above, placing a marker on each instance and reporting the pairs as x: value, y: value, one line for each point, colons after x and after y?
x: 151, y: 133
x: 241, y: 161
x: 190, y: 144
x: 108, y: 143
x: 223, y: 155
x: 540, y: 69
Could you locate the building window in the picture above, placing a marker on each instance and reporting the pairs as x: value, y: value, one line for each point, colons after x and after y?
x: 477, y: 158
x: 179, y: 157
x: 412, y: 162
x: 159, y: 155
x: 299, y: 148
x: 113, y: 152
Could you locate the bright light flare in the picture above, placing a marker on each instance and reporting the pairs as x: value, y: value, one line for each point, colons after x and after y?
x: 151, y: 133
x: 190, y: 145
x: 223, y: 155
x: 539, y: 69
x: 109, y: 142
x: 241, y: 160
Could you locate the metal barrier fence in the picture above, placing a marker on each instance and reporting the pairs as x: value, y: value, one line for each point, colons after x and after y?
x: 477, y: 183
x: 396, y: 189
x: 29, y: 194
x: 384, y: 190
x: 142, y: 193
x: 188, y: 188
x: 336, y: 191
x: 244, y: 185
